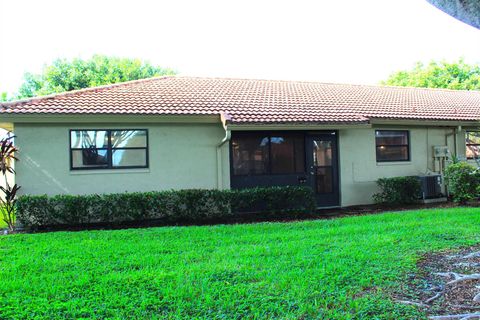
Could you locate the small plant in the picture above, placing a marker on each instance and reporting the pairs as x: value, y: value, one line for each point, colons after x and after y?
x: 398, y: 190
x: 9, y: 197
x: 454, y: 158
x: 463, y: 181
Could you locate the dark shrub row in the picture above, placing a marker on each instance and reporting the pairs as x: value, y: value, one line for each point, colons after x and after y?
x: 183, y: 205
x: 398, y: 190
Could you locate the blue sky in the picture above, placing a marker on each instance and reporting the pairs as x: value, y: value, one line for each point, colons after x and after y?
x: 330, y: 41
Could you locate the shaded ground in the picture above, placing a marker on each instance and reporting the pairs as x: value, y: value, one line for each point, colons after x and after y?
x: 446, y: 283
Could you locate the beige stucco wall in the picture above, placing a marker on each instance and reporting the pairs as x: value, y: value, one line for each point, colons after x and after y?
x: 185, y: 156
x: 181, y: 156
x: 359, y: 169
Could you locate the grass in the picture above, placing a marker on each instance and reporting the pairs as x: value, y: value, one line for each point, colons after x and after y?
x: 330, y: 269
x: 3, y: 224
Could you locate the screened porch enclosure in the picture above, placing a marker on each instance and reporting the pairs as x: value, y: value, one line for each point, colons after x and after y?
x: 276, y: 158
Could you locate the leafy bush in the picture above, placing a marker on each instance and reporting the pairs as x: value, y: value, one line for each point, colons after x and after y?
x: 192, y: 205
x: 273, y: 200
x: 398, y: 190
x: 463, y: 181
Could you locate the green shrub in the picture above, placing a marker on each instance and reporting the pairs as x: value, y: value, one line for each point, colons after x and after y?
x: 398, y: 190
x: 463, y: 181
x: 274, y: 200
x: 192, y: 205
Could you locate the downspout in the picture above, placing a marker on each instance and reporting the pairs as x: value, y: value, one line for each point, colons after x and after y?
x: 224, y: 118
x: 456, y: 131
x: 454, y: 135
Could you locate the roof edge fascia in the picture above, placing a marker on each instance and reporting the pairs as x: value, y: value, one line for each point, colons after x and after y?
x: 418, y: 122
x: 294, y: 126
x: 108, y: 118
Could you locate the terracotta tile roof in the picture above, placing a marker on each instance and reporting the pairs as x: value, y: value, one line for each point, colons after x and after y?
x: 258, y: 101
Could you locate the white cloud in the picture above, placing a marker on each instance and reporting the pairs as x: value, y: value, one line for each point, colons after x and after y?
x: 332, y: 41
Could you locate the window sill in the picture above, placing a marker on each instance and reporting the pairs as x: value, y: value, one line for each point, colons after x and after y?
x: 108, y: 171
x: 394, y: 163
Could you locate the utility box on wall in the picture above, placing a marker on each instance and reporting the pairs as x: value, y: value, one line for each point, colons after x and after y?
x: 440, y: 151
x: 440, y: 155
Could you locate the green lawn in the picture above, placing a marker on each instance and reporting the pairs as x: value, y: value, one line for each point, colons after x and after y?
x: 2, y: 223
x: 331, y: 269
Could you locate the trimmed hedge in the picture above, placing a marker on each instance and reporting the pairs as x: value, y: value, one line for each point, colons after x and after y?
x: 398, y: 190
x: 182, y: 205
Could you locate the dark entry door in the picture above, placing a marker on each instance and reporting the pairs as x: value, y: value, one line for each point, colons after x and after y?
x: 322, y: 168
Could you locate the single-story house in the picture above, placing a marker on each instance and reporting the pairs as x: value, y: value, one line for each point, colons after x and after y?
x: 185, y: 132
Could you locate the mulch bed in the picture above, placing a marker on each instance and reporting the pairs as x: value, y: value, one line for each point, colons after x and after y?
x: 442, y: 286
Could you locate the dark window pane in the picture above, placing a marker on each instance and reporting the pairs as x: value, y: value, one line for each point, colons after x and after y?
x: 89, y: 158
x: 284, y: 152
x: 97, y: 149
x: 392, y: 153
x: 129, y: 158
x: 322, y: 153
x: 259, y: 154
x: 386, y: 137
x: 89, y: 139
x: 129, y: 138
x: 324, y: 179
x: 472, y: 140
x: 299, y: 154
x: 392, y: 145
x: 250, y: 154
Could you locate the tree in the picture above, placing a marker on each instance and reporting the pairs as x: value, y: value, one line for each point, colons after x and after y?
x: 455, y: 75
x: 65, y: 75
x: 467, y: 11
x: 3, y: 96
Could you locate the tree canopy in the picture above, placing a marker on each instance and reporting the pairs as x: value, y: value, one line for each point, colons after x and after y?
x: 467, y: 11
x: 66, y: 75
x: 451, y: 75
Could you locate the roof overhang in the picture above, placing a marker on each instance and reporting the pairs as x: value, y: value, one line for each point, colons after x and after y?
x: 8, y: 120
x: 108, y: 118
x: 294, y: 126
x: 431, y: 123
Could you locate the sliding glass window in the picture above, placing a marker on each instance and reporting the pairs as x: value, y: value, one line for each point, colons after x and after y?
x: 392, y: 145
x: 108, y: 149
x: 472, y: 142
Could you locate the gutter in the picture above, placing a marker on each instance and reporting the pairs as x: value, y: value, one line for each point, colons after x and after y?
x: 224, y: 118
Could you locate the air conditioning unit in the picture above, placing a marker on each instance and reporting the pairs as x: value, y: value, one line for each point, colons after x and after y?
x: 431, y: 186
